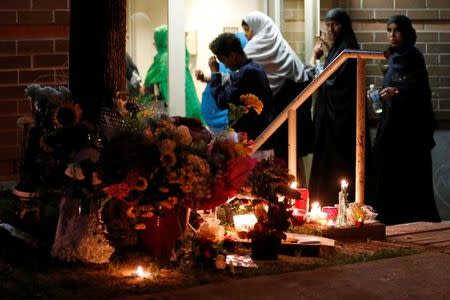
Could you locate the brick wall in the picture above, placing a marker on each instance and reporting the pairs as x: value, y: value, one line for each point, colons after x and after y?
x: 33, y: 49
x: 294, y: 25
x: 431, y: 19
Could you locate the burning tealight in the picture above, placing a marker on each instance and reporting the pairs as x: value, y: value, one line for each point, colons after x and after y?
x: 294, y: 185
x: 141, y: 273
x: 316, y: 212
x: 244, y: 222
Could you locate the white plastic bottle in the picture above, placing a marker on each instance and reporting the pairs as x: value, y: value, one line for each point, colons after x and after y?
x: 319, y: 67
x: 374, y: 95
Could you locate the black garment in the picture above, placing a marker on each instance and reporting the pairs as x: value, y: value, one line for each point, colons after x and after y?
x: 249, y: 79
x: 335, y: 126
x: 288, y: 92
x: 133, y: 77
x: 404, y: 141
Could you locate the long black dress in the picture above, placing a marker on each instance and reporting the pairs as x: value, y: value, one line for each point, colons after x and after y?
x: 403, y: 143
x: 335, y: 128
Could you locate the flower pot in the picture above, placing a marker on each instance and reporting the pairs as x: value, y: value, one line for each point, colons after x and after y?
x: 265, y: 247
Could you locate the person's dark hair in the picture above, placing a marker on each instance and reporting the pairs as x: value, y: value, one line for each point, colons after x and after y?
x: 405, y: 27
x: 225, y: 44
x: 244, y: 23
x: 340, y: 16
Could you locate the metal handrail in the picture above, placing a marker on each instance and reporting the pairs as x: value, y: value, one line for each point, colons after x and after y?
x: 289, y: 113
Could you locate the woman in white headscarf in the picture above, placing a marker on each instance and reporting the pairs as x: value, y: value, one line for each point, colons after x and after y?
x: 286, y: 73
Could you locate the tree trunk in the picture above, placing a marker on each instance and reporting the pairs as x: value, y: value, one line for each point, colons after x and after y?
x: 97, y: 53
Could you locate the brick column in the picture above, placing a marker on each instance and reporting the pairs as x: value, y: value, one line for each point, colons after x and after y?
x: 33, y: 49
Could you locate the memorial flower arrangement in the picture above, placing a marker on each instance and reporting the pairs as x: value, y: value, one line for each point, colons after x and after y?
x: 170, y: 162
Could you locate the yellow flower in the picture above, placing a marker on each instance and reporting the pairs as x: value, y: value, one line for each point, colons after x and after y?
x: 184, y: 135
x: 252, y: 101
x: 164, y: 190
x: 140, y: 226
x: 167, y: 146
x: 140, y: 184
x: 131, y: 212
x: 166, y: 205
x: 147, y: 214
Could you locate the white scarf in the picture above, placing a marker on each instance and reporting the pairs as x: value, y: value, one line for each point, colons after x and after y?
x: 269, y: 49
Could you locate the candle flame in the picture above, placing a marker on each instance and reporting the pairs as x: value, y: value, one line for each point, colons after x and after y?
x: 315, y: 206
x: 344, y: 184
x: 140, y: 271
x: 294, y: 185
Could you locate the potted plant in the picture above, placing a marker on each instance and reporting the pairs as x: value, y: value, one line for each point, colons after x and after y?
x: 270, y: 180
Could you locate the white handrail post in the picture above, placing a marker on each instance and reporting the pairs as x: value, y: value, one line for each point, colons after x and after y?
x: 292, y: 142
x: 360, y: 130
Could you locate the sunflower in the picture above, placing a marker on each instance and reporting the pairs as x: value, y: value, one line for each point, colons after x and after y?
x: 131, y: 212
x: 140, y: 184
x: 67, y: 114
x: 140, y: 226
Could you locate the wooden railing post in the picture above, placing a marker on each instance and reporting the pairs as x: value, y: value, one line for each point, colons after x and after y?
x: 292, y: 142
x: 360, y: 130
x: 289, y: 112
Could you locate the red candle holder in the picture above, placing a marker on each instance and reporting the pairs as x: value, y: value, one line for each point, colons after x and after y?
x: 302, y: 203
x: 331, y: 211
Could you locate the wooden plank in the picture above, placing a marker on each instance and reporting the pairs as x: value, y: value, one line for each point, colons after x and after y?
x: 442, y: 244
x: 433, y: 241
x: 424, y: 236
x: 408, y: 228
x: 374, y: 231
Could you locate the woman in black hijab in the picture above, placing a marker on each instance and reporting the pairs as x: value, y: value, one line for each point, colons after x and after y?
x: 335, y: 116
x: 405, y: 133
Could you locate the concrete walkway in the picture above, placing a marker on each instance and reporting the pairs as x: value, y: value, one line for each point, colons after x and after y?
x: 421, y: 276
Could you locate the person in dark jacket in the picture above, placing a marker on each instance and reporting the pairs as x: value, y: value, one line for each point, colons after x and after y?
x: 247, y: 77
x: 335, y: 116
x: 405, y: 133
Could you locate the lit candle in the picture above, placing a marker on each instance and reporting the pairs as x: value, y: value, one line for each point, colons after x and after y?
x: 344, y: 185
x: 341, y: 219
x: 244, y: 222
x: 359, y: 222
x: 141, y: 273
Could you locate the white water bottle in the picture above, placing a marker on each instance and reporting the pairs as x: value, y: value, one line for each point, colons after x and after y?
x: 376, y: 99
x: 319, y: 67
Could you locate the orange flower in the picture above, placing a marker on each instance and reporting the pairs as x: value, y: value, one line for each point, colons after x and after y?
x: 252, y: 101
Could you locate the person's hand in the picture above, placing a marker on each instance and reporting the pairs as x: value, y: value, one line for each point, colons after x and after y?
x: 213, y: 64
x: 199, y: 75
x: 388, y: 92
x: 318, y: 50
